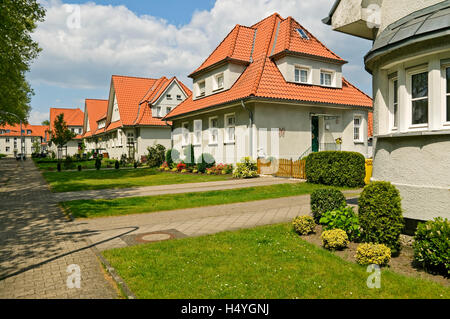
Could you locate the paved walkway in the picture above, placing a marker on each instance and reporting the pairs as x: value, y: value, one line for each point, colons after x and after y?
x: 122, y: 231
x: 171, y: 189
x: 37, y: 243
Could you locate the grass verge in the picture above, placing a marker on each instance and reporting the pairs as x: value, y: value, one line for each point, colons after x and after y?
x: 149, y: 204
x: 264, y: 262
x: 124, y: 178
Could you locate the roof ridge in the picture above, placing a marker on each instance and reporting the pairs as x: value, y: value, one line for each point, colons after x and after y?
x: 266, y: 55
x: 96, y: 100
x: 234, y: 41
x: 132, y: 77
x: 273, y: 14
x: 346, y: 81
x: 289, y: 33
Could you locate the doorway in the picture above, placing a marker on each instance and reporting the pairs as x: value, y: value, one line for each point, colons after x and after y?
x: 315, y: 133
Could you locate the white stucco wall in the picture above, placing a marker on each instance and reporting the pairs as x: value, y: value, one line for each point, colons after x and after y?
x: 28, y: 143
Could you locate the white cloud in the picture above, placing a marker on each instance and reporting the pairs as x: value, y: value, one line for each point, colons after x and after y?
x: 114, y: 40
x: 37, y: 117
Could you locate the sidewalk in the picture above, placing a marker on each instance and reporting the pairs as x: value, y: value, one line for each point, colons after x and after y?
x: 37, y: 243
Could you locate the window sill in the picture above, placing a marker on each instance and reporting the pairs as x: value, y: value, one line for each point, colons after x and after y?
x: 213, y: 144
x: 218, y: 90
x: 230, y: 143
x: 416, y: 133
x: 358, y: 142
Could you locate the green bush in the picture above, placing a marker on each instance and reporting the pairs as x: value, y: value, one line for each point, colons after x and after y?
x: 344, y: 219
x: 98, y: 163
x: 156, y: 155
x: 334, y: 239
x: 205, y: 161
x: 58, y: 166
x: 246, y: 169
x: 189, y: 156
x: 116, y: 164
x: 380, y: 215
x: 368, y: 254
x: 336, y: 168
x: 68, y: 163
x: 79, y: 168
x: 326, y: 200
x: 304, y: 225
x: 172, y: 155
x: 432, y: 245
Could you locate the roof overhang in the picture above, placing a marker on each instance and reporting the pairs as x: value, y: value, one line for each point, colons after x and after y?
x: 284, y: 53
x: 218, y: 64
x: 266, y: 99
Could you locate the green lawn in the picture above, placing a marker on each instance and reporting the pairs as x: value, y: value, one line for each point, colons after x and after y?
x: 148, y: 204
x: 123, y: 178
x: 264, y: 262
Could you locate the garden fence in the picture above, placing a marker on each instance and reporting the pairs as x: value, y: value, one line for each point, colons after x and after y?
x: 283, y: 168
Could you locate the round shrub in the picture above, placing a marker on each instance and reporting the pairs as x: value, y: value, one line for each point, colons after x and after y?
x: 432, y: 245
x: 304, y: 225
x: 79, y: 168
x: 246, y: 169
x: 334, y: 239
x: 116, y: 164
x: 326, y: 200
x: 344, y: 219
x: 98, y: 163
x: 368, y: 254
x: 58, y: 166
x: 380, y: 215
x: 336, y: 168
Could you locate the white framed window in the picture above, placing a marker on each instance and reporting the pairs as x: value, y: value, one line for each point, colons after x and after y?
x: 197, y: 132
x: 201, y: 89
x: 357, y: 129
x: 213, y: 130
x: 447, y: 94
x: 169, y: 96
x: 130, y: 138
x: 185, y: 133
x: 418, y: 88
x: 301, y: 75
x: 179, y: 98
x: 326, y: 78
x: 218, y: 82
x: 393, y: 103
x: 168, y: 109
x: 7, y: 149
x: 7, y: 140
x: 230, y: 127
x: 158, y: 111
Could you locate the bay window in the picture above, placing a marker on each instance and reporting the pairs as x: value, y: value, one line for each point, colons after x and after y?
x: 419, y: 98
x: 393, y: 98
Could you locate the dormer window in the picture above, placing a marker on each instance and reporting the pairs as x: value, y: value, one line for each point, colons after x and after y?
x: 303, y: 34
x: 301, y: 75
x: 326, y: 78
x: 218, y: 83
x: 201, y: 88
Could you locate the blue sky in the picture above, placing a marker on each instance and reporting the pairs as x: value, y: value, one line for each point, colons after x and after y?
x: 82, y: 49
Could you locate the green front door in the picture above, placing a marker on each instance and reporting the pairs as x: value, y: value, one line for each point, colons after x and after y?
x: 315, y: 133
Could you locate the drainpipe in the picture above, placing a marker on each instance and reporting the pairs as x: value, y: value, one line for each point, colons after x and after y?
x: 250, y: 124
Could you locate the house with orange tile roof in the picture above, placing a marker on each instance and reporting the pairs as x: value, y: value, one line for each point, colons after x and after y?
x: 10, y: 142
x: 271, y: 89
x: 74, y: 119
x: 131, y: 120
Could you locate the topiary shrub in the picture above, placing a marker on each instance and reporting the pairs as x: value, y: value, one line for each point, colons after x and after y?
x: 172, y: 155
x: 336, y: 168
x: 368, y: 254
x: 380, y: 215
x: 326, y: 200
x: 334, y: 239
x: 205, y: 161
x: 246, y: 169
x: 304, y: 225
x: 79, y: 168
x: 58, y: 166
x: 432, y: 245
x: 189, y: 156
x: 116, y: 164
x: 344, y: 219
x: 98, y: 163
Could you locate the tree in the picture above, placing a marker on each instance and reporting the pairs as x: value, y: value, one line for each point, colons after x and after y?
x: 46, y: 123
x: 61, y: 133
x: 17, y: 50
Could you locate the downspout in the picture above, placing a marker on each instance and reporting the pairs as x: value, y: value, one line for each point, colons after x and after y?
x: 250, y: 124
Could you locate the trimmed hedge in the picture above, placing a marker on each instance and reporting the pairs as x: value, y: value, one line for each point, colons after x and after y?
x: 336, y: 168
x: 380, y: 215
x: 326, y: 200
x: 432, y: 245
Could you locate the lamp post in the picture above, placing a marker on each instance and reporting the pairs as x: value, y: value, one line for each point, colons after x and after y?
x: 21, y: 134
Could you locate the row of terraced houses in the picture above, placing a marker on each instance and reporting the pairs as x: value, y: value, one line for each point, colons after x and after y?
x: 270, y: 89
